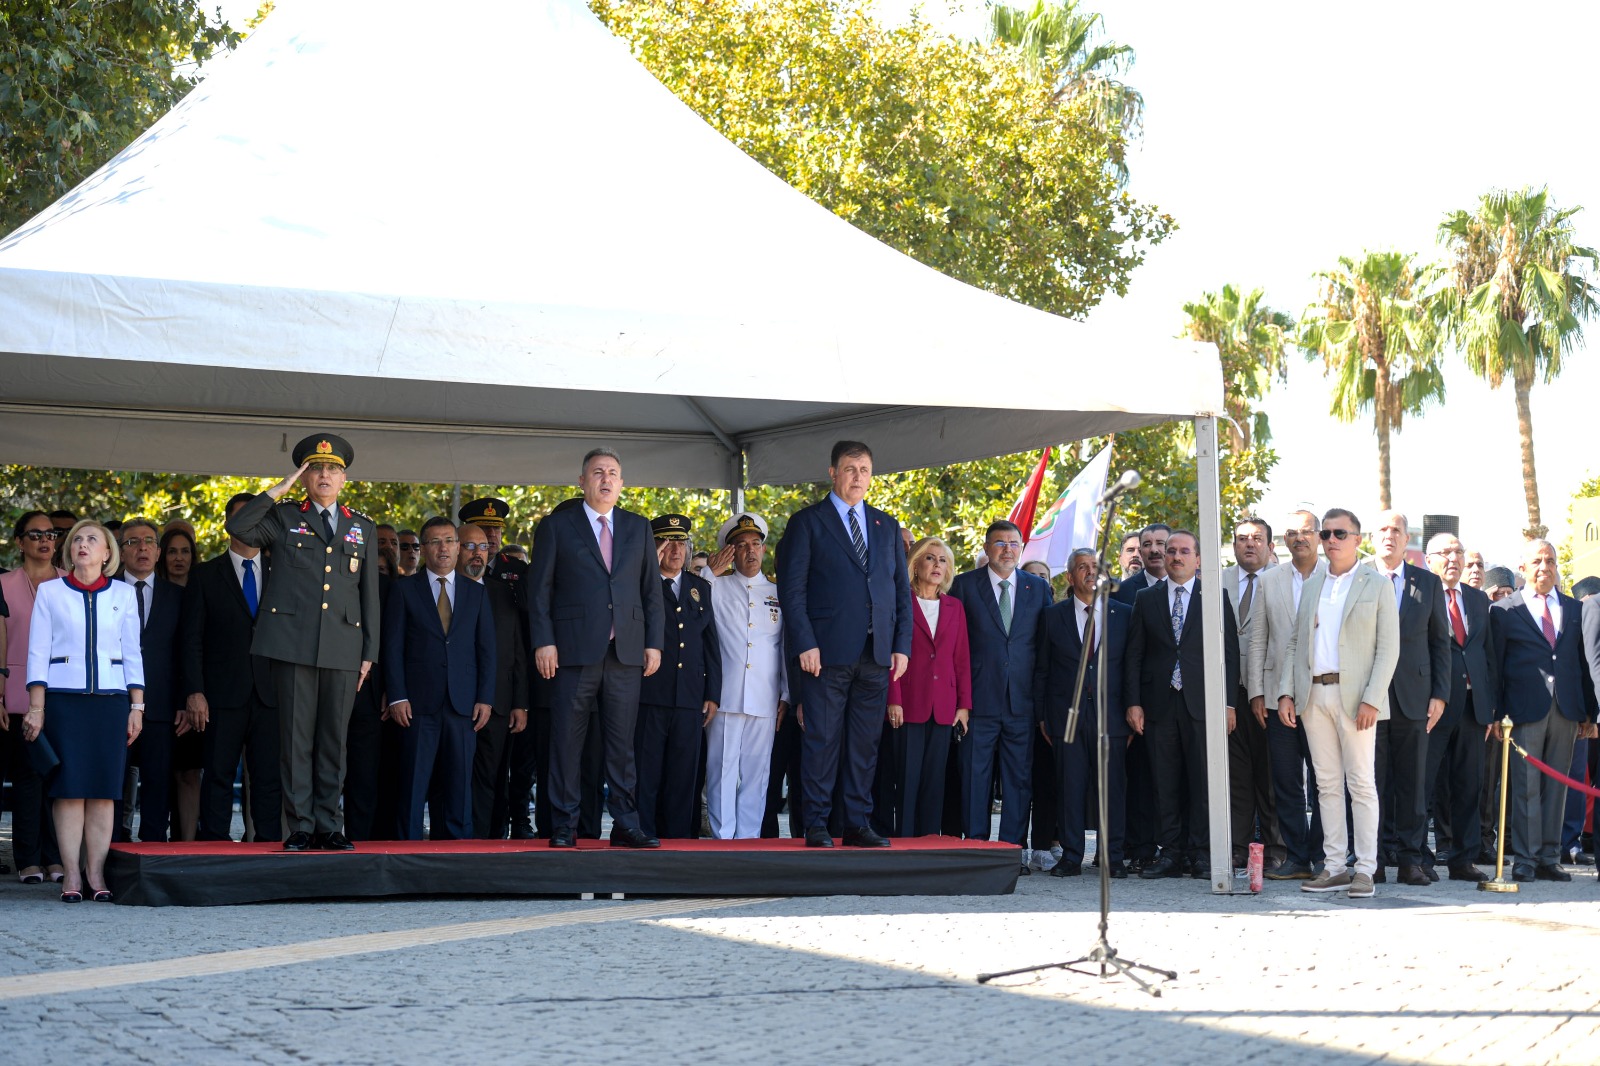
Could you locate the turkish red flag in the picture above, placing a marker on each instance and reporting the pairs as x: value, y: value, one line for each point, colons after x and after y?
x: 1022, y: 512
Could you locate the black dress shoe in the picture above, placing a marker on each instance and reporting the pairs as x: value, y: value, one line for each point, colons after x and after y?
x: 298, y: 841
x: 817, y: 837
x: 1551, y: 872
x: 1026, y: 872
x: 1522, y: 872
x: 1378, y: 876
x: 1486, y: 856
x: 1463, y: 872
x: 624, y: 837
x: 1433, y: 875
x: 1411, y: 875
x: 863, y: 836
x: 1290, y: 871
x: 521, y: 831
x: 1162, y: 867
x: 1067, y: 869
x: 335, y: 841
x: 1118, y: 871
x: 562, y: 837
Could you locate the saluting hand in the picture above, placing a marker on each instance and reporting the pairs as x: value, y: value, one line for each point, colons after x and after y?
x: 277, y: 491
x: 718, y: 564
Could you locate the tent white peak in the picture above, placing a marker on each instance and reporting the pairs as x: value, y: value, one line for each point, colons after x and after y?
x: 477, y: 247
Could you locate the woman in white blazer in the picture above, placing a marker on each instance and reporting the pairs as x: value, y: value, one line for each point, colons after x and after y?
x: 83, y: 654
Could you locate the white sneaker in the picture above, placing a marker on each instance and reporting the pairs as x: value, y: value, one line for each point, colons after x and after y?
x: 1044, y: 861
x: 1027, y: 857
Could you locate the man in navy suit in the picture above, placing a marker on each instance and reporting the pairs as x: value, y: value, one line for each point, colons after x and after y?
x: 229, y: 691
x: 439, y: 666
x: 1455, y: 747
x: 847, y: 616
x: 1152, y: 559
x: 1546, y: 689
x: 1141, y: 801
x: 1164, y: 684
x: 593, y: 591
x: 1417, y: 698
x: 1062, y: 631
x: 1003, y: 606
x: 160, y: 611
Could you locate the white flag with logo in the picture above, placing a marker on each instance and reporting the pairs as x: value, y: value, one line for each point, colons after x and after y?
x: 1073, y: 520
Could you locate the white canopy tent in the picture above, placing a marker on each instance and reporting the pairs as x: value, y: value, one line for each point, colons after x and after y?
x: 477, y: 247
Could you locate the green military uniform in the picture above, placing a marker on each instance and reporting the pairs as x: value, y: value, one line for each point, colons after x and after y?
x: 318, y: 621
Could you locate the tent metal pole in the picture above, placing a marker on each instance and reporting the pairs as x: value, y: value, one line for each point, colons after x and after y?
x: 1206, y: 467
x: 736, y: 480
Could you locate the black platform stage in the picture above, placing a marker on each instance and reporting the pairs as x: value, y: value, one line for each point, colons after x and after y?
x: 213, y: 874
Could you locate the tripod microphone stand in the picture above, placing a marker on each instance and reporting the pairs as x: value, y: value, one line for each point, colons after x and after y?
x: 1102, y: 953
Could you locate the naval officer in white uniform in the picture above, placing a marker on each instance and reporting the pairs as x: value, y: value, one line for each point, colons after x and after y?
x: 755, y: 688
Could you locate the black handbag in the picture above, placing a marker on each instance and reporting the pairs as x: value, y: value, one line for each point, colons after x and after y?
x: 42, y: 756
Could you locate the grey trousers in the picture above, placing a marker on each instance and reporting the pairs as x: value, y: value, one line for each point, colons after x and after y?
x: 313, y: 719
x: 1538, y: 802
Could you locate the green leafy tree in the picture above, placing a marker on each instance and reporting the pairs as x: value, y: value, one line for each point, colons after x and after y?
x: 1251, y: 339
x: 1372, y: 331
x: 1518, y: 293
x: 80, y: 79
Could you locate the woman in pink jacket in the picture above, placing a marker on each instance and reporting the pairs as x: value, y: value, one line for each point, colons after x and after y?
x: 929, y: 703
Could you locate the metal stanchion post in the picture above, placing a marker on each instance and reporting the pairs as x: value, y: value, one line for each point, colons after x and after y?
x: 1500, y: 884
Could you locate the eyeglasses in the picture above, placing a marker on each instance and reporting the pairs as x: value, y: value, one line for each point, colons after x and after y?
x: 448, y: 542
x: 1337, y: 534
x: 1005, y: 545
x: 476, y: 546
x: 134, y: 542
x: 37, y: 535
x: 1449, y: 551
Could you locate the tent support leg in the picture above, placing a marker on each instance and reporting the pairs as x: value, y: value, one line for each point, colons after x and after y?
x: 736, y: 481
x: 1207, y: 469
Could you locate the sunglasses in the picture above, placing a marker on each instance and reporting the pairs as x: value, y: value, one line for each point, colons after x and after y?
x: 1337, y: 534
x: 37, y: 535
x: 410, y: 547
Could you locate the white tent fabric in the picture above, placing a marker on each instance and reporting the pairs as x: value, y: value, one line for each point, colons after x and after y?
x: 478, y: 246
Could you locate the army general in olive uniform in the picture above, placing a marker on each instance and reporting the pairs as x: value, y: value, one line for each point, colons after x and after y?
x: 318, y: 624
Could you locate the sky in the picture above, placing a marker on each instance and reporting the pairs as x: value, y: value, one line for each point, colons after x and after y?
x: 1284, y: 135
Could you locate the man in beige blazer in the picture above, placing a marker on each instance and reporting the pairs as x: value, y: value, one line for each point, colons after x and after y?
x: 1338, y: 665
x: 1294, y: 783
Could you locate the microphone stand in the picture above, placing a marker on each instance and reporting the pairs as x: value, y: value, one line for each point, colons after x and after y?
x: 1102, y: 953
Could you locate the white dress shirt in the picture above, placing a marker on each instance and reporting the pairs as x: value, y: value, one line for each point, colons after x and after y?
x: 844, y: 510
x: 994, y: 585
x: 1188, y: 596
x: 1397, y: 581
x: 238, y: 562
x: 449, y: 579
x: 1530, y: 600
x: 1080, y: 611
x: 1330, y: 617
x: 147, y: 594
x: 594, y: 523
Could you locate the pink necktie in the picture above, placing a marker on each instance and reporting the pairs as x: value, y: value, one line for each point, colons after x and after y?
x: 1549, y: 626
x: 605, y: 542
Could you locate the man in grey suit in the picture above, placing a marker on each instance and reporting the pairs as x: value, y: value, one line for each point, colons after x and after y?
x: 1337, y: 668
x: 1294, y: 782
x: 1417, y: 698
x: 1249, y: 771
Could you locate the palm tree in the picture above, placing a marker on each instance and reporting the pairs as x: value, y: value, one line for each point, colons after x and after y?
x: 1061, y: 43
x: 1376, y: 340
x: 1251, y: 339
x: 1515, y: 300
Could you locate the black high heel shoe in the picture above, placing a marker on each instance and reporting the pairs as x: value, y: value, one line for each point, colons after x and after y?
x: 71, y: 897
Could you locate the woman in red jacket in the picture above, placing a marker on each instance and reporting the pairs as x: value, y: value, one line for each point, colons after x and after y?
x: 933, y: 696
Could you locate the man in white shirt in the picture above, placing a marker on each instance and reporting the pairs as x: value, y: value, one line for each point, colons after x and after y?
x: 1340, y: 660
x: 755, y: 685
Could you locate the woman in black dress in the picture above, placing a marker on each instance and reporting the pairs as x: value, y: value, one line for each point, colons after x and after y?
x: 84, y: 661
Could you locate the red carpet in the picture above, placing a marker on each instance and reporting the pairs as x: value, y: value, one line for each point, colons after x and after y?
x: 505, y: 847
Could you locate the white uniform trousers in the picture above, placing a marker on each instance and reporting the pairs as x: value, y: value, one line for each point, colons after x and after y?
x: 738, y: 763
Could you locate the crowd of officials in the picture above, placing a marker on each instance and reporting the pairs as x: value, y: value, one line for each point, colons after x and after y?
x: 369, y: 682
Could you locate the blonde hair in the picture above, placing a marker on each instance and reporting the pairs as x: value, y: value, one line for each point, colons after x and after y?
x: 926, y: 546
x: 114, y: 562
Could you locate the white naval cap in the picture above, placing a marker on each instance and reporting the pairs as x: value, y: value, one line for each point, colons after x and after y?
x: 739, y: 523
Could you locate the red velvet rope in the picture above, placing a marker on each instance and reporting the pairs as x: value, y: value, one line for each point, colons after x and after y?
x: 1549, y: 771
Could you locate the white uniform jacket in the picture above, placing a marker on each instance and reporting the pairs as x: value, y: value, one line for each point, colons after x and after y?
x: 85, y: 642
x: 750, y: 631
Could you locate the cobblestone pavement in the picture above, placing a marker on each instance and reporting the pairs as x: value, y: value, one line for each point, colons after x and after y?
x: 1439, y: 974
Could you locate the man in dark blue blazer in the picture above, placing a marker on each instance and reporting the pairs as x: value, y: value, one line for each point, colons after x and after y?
x: 1061, y: 647
x: 1141, y: 802
x: 1003, y: 606
x: 847, y: 618
x: 1163, y: 681
x: 439, y: 668
x: 160, y: 613
x: 1455, y: 746
x: 679, y: 700
x: 1546, y: 689
x: 229, y: 693
x: 1418, y: 695
x: 593, y: 591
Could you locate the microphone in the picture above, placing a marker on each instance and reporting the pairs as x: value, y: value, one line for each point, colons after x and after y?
x: 1126, y: 483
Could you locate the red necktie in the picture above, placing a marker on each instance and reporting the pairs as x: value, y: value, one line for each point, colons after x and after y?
x: 1548, y: 626
x: 1457, y: 625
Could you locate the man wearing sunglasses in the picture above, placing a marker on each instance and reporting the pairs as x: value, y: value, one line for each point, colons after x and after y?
x: 410, y: 552
x: 1335, y: 686
x: 1417, y: 698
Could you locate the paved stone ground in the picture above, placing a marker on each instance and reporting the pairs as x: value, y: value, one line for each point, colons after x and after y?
x: 1440, y: 974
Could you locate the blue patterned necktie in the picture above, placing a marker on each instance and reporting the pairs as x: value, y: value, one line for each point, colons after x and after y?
x: 856, y: 538
x: 1177, y: 634
x: 251, y: 598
